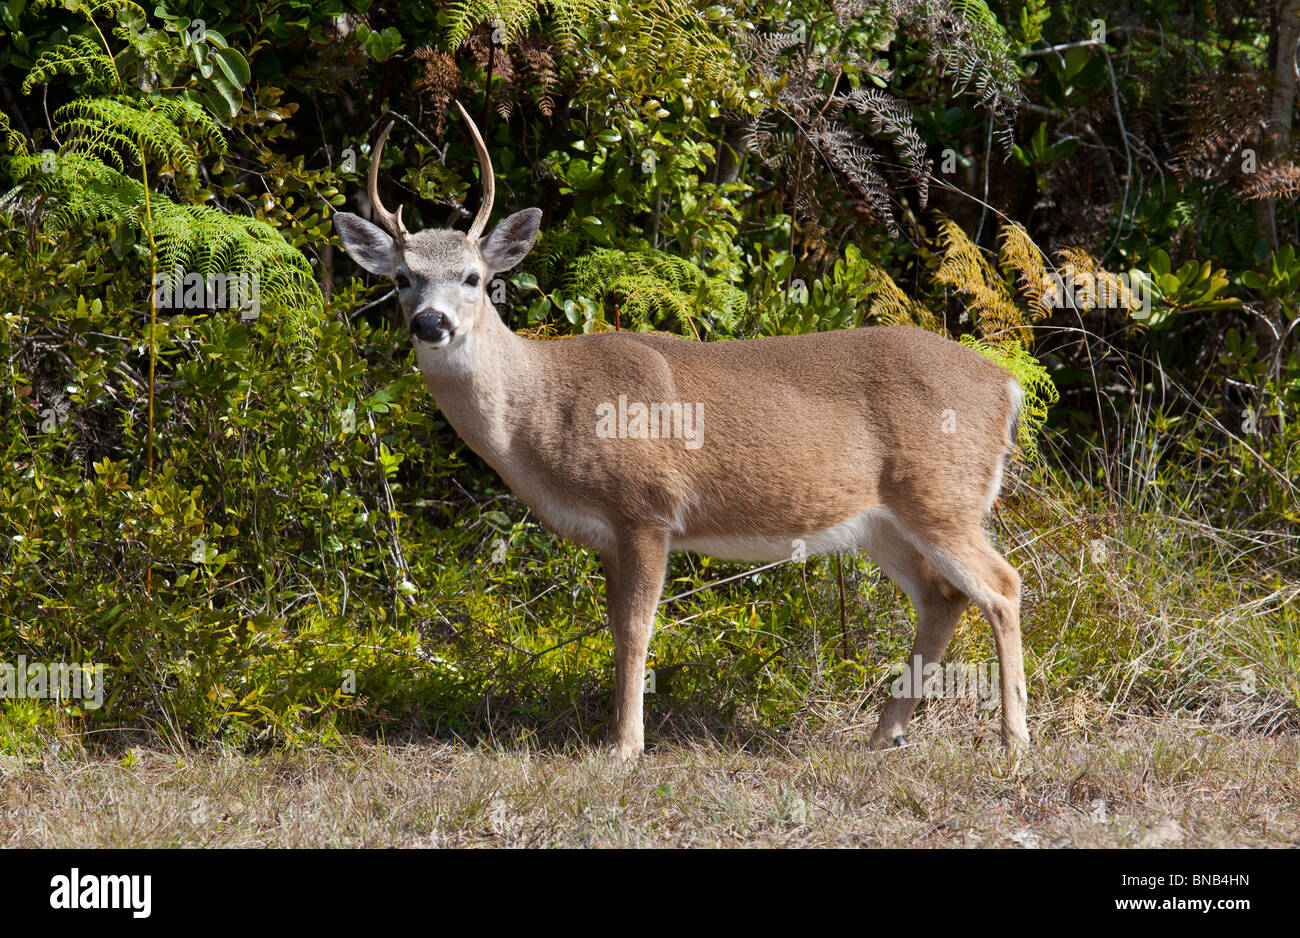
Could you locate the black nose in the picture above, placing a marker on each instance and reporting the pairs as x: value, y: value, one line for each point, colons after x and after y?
x: 431, y: 327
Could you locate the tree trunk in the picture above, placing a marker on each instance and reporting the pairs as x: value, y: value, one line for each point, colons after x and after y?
x: 1281, y: 102
x: 1281, y: 107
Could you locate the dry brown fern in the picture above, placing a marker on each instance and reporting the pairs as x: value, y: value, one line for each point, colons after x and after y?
x: 438, y: 81
x: 964, y: 269
x: 1021, y: 256
x: 1222, y: 115
x: 537, y: 71
x: 890, y: 306
x: 493, y: 57
x: 524, y: 69
x: 1092, y: 286
x: 1276, y: 180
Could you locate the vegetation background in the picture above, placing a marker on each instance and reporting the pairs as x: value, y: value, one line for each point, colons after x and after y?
x: 269, y: 536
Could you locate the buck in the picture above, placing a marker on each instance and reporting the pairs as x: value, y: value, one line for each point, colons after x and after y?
x: 888, y: 440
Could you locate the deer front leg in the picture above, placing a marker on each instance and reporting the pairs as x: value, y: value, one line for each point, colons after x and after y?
x: 634, y: 579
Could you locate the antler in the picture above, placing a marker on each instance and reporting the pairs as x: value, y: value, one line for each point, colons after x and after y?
x: 486, y: 178
x: 392, y: 222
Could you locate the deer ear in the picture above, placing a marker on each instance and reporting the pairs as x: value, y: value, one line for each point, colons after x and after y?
x: 511, y: 240
x: 370, y: 246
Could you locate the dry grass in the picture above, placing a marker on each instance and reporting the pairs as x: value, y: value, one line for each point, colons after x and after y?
x: 1141, y: 783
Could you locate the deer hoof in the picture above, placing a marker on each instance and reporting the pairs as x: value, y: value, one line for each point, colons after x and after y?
x: 625, y: 752
x: 1015, y: 743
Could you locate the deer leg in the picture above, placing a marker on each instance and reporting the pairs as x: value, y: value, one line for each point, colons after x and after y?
x: 1000, y: 603
x: 639, y: 561
x: 609, y: 561
x: 938, y: 608
x: 976, y: 569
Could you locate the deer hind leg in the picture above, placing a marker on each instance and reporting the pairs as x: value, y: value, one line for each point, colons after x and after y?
x: 975, y: 568
x: 938, y: 607
x: 634, y: 578
x: 1000, y: 603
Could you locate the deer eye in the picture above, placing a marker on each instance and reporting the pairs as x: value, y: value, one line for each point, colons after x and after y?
x: 401, y: 281
x: 471, y: 280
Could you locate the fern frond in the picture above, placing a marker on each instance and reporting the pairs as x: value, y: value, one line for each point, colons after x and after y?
x: 855, y: 160
x: 890, y: 306
x: 965, y: 270
x: 646, y: 35
x: 93, y: 9
x: 189, y: 237
x: 1021, y: 256
x: 1091, y: 286
x: 80, y: 55
x: 1279, y: 180
x: 651, y: 287
x: 86, y: 186
x: 135, y: 131
x: 1221, y: 117
x: 892, y: 116
x: 14, y: 150
x: 515, y: 17
x: 967, y: 42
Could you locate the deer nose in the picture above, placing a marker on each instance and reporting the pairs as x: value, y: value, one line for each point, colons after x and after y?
x: 432, y: 327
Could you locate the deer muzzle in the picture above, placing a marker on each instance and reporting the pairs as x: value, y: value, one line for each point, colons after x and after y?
x: 433, y: 327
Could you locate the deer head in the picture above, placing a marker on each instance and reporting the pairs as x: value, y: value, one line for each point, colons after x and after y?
x: 441, y: 276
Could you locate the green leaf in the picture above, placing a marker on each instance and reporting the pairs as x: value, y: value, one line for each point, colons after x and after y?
x: 234, y: 66
x: 232, y: 97
x: 497, y: 519
x: 201, y: 51
x: 387, y: 395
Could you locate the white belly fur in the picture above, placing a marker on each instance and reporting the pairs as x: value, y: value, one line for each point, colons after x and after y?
x: 574, y: 521
x: 861, y: 532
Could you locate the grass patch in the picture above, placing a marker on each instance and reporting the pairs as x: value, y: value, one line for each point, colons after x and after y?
x: 1168, y: 782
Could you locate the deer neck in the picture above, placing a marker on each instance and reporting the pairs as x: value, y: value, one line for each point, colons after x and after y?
x: 483, y: 384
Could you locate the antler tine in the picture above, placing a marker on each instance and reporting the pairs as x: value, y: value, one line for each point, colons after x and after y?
x: 488, y: 180
x: 392, y: 222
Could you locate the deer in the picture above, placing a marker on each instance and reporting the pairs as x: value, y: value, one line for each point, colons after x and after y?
x: 887, y: 440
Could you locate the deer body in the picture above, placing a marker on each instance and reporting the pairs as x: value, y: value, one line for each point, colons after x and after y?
x: 889, y: 440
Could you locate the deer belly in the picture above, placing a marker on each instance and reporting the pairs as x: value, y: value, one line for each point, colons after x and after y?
x: 856, y: 533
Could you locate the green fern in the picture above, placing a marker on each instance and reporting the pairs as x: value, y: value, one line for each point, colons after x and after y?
x: 651, y: 287
x: 80, y: 55
x: 646, y: 35
x: 556, y: 251
x: 514, y: 17
x: 122, y: 130
x: 108, y: 140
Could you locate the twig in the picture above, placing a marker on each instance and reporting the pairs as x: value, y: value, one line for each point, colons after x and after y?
x: 844, y: 620
x: 399, y: 557
x: 361, y: 309
x: 738, y: 576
